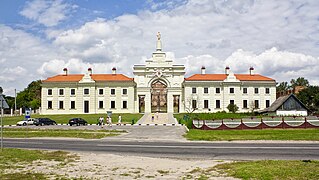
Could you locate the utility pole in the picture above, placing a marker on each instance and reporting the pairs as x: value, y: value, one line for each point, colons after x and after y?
x: 15, y: 101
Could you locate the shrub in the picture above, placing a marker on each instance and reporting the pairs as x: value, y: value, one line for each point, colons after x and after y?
x: 232, y: 108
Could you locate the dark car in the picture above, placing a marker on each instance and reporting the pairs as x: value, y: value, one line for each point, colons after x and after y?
x: 77, y: 121
x: 44, y: 121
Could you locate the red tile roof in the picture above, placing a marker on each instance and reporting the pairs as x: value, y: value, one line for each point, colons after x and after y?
x: 95, y: 77
x: 221, y: 77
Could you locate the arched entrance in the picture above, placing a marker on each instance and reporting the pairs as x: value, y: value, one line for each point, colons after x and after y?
x: 158, y: 97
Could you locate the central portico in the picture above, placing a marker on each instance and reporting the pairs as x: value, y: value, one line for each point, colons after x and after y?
x: 159, y: 83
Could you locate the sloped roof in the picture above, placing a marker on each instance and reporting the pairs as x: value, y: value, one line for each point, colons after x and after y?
x: 280, y: 101
x: 110, y: 77
x: 221, y: 77
x: 95, y: 77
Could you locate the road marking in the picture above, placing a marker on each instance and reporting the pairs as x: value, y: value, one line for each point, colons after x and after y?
x: 23, y: 142
x: 202, y: 147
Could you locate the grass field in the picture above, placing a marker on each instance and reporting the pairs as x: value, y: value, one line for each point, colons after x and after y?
x: 211, y: 116
x: 12, y: 161
x: 85, y: 134
x: 186, y: 118
x: 266, y: 134
x: 64, y: 118
x: 271, y: 169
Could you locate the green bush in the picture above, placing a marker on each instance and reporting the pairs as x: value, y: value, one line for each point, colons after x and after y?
x: 232, y: 108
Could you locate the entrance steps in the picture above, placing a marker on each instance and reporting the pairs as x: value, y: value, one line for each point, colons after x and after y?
x: 162, y: 118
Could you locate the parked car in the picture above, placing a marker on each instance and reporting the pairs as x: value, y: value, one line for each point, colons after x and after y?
x: 77, y: 121
x: 44, y: 121
x: 25, y: 122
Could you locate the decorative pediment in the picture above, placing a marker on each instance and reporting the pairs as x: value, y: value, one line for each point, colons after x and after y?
x: 231, y: 78
x: 86, y: 79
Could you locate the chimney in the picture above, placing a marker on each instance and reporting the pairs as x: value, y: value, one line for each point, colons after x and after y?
x: 227, y: 70
x: 113, y: 70
x: 203, y: 69
x: 251, y: 70
x: 90, y: 71
x: 65, y: 70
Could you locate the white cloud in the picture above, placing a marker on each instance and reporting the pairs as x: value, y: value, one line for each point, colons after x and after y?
x: 76, y: 66
x: 48, y: 13
x: 278, y: 38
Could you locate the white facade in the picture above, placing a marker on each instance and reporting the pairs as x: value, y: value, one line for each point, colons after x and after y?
x: 158, y: 86
x: 221, y: 93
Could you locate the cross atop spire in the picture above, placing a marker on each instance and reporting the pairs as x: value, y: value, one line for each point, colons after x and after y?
x: 159, y: 42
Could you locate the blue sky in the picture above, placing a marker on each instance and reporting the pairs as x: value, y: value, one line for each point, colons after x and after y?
x: 39, y: 38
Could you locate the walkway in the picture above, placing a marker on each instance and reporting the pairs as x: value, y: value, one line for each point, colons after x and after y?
x: 163, y: 118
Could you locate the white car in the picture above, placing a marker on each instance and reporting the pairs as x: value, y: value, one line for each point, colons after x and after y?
x: 26, y: 122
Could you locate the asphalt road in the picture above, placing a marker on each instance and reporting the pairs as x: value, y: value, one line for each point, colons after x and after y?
x: 220, y: 150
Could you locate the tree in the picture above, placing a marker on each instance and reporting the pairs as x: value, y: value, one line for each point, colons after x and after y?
x: 282, y: 87
x: 301, y: 81
x: 310, y: 98
x: 30, y: 96
x: 232, y: 108
x: 191, y: 103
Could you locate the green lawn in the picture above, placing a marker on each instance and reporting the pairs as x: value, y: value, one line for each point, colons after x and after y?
x: 207, y: 116
x: 64, y: 118
x: 211, y: 116
x: 74, y: 133
x: 12, y: 161
x: 266, y: 134
x: 271, y: 169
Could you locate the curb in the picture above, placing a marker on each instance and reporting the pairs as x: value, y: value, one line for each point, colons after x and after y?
x: 114, y: 125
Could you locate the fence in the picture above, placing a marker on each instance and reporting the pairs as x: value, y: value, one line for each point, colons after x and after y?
x: 272, y: 122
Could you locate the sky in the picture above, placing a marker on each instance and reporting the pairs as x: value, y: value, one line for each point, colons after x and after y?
x: 38, y: 38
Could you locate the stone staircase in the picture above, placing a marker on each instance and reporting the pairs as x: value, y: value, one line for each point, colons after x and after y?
x: 162, y: 118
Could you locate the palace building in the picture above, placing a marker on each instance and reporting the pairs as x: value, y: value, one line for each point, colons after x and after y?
x: 159, y: 85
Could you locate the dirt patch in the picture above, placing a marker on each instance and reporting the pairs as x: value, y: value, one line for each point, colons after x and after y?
x: 110, y: 166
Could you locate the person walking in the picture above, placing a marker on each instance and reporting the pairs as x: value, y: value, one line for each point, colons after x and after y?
x: 157, y: 116
x: 101, y: 121
x: 120, y: 120
x: 152, y: 117
x: 110, y: 121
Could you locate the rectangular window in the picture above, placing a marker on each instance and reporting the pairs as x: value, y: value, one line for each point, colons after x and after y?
x: 100, y: 104
x: 267, y: 103
x: 124, y: 91
x: 86, y: 91
x: 49, y: 92
x: 232, y: 102
x: 194, y: 104
x: 206, y: 104
x: 217, y: 90
x: 101, y: 92
x: 60, y: 104
x: 231, y: 90
x: 124, y: 105
x: 256, y: 90
x: 112, y: 91
x: 193, y: 90
x: 245, y: 90
x: 245, y: 104
x: 72, y: 92
x: 256, y: 104
x: 218, y: 104
x: 61, y: 92
x: 49, y: 104
x: 206, y: 90
x: 72, y: 104
x: 267, y: 91
x: 112, y: 104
